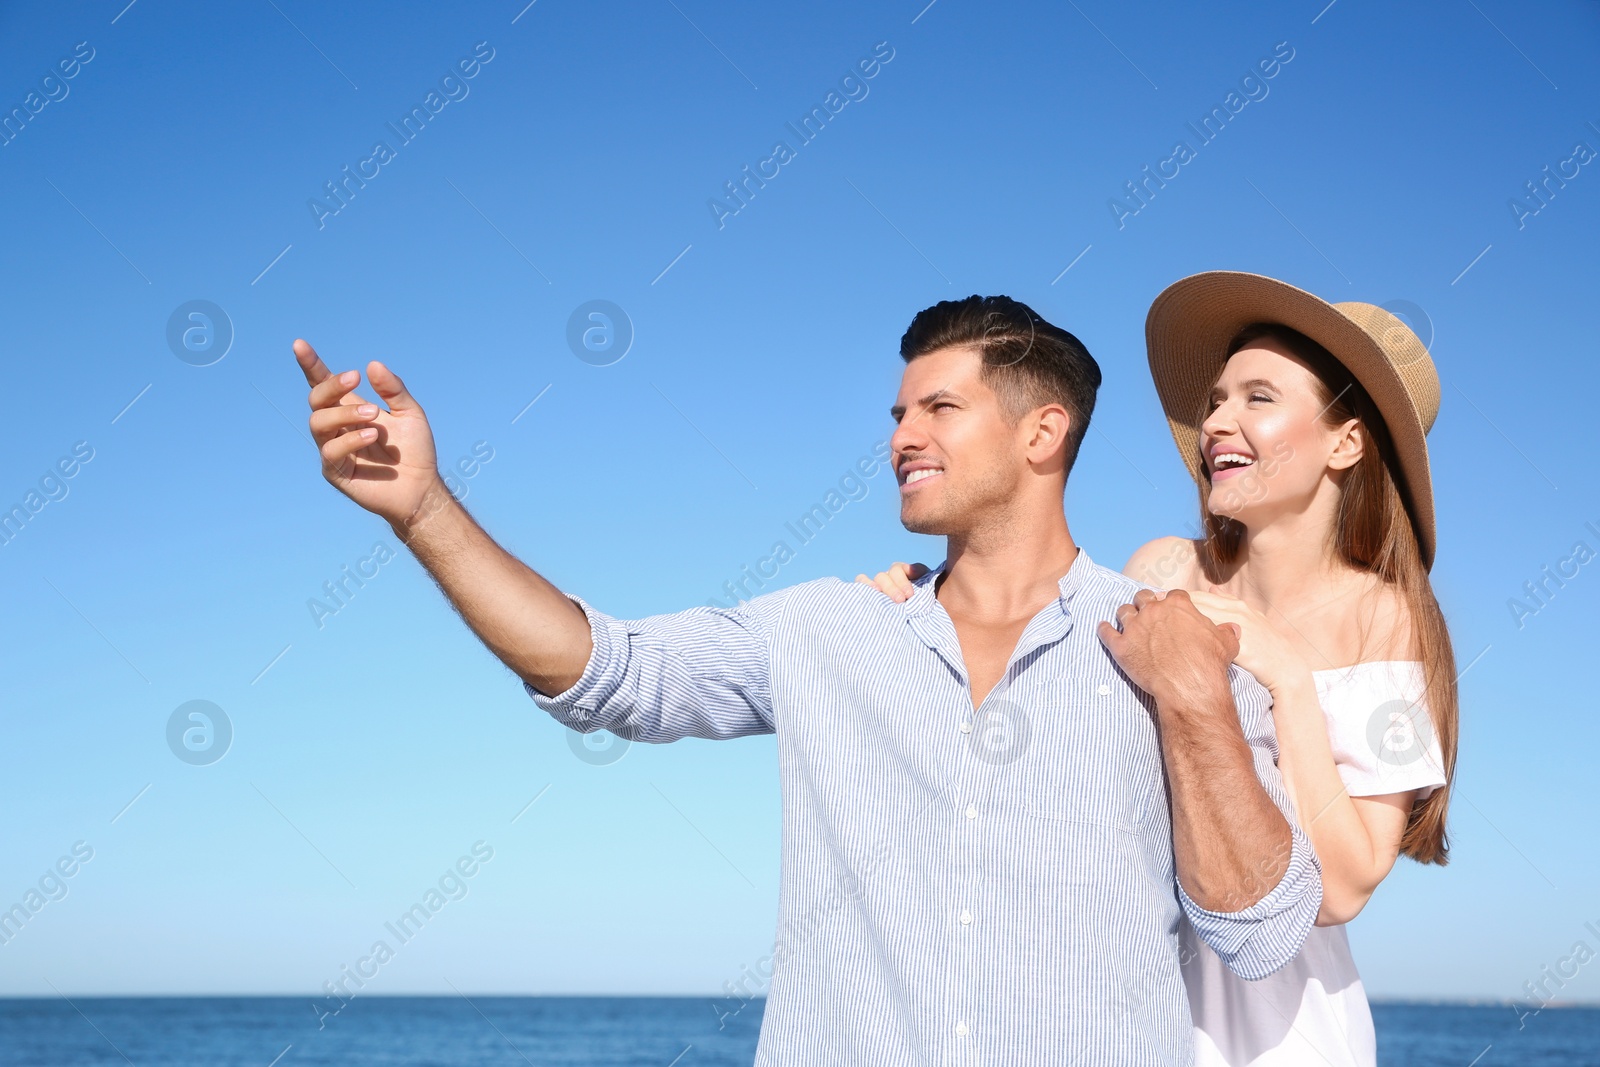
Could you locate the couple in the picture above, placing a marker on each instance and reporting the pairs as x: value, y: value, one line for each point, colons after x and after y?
x: 1016, y: 802
x: 1303, y: 424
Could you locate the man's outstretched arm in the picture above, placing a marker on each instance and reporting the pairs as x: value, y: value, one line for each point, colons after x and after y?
x: 384, y: 460
x: 530, y: 625
x: 700, y: 673
x: 1247, y: 876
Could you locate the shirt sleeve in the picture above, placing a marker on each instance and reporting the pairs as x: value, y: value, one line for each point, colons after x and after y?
x: 1263, y: 937
x: 1380, y: 729
x: 704, y: 672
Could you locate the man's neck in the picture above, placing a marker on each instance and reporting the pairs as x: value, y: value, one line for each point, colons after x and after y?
x: 998, y: 579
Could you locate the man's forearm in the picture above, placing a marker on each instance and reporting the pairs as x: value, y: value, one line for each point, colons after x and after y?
x: 1230, y: 842
x: 529, y: 624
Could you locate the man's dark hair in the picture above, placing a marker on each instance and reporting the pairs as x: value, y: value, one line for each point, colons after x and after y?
x: 1026, y: 361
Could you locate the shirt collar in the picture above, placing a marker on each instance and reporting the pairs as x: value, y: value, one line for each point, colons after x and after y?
x: 923, y: 599
x: 934, y: 627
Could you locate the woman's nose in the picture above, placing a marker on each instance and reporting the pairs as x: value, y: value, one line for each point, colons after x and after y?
x: 1218, y: 422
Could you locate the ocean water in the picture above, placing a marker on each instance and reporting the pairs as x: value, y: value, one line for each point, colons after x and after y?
x: 605, y: 1032
x: 1458, y: 1035
x: 376, y: 1032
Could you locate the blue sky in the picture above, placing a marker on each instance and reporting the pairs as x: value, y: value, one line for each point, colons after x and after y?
x: 374, y: 746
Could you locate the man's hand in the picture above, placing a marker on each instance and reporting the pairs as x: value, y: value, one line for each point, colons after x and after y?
x: 1231, y: 842
x: 383, y: 460
x: 1172, y: 651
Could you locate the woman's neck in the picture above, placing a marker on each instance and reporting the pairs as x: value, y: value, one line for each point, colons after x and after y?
x: 1289, y: 565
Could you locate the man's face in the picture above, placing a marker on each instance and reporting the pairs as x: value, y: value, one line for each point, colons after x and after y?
x: 956, y: 458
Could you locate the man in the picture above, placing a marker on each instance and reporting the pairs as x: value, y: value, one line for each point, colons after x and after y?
x: 980, y: 864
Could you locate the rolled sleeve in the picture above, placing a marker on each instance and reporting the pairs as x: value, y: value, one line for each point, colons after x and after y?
x: 1258, y: 940
x: 569, y: 706
x: 704, y: 672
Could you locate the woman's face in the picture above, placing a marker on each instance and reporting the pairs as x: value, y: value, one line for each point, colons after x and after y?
x: 1267, y: 449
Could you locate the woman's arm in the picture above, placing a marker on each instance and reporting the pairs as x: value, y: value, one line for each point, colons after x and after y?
x: 1357, y: 839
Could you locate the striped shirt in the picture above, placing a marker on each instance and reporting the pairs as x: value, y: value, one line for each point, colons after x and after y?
x: 958, y: 887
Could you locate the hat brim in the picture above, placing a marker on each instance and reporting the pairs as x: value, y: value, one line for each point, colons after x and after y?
x: 1187, y: 333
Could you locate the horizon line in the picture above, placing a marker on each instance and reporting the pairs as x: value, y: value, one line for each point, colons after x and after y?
x: 1460, y: 1002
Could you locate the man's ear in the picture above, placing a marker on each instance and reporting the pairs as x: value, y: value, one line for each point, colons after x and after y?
x: 1050, y: 425
x: 1351, y: 444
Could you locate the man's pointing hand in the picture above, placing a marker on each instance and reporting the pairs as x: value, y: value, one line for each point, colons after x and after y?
x: 383, y: 460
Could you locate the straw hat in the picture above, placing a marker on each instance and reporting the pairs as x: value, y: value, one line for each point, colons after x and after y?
x: 1192, y: 321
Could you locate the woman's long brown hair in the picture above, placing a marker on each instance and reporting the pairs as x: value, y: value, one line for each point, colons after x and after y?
x: 1374, y: 532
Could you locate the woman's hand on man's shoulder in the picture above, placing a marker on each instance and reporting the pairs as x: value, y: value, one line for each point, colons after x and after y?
x: 896, y: 581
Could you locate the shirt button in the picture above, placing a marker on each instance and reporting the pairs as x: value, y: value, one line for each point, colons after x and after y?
x: 972, y: 811
x: 961, y: 1029
x: 966, y: 917
x: 966, y: 727
x: 1104, y: 690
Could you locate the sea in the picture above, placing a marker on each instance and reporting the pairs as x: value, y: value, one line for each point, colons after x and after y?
x: 489, y: 1031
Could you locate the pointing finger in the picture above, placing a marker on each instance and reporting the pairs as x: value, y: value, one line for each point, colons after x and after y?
x: 310, y: 363
x: 327, y: 388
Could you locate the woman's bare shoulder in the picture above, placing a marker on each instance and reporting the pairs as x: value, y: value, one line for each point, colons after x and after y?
x: 1166, y: 563
x: 1386, y: 624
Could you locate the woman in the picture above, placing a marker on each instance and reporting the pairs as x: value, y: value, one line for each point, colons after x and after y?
x: 1303, y: 424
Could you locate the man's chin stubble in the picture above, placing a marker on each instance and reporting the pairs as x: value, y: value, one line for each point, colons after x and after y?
x: 924, y: 526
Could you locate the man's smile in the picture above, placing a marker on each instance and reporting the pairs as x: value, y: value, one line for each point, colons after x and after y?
x: 918, y: 471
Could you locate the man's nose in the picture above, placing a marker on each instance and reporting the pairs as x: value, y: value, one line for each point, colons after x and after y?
x: 907, y: 437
